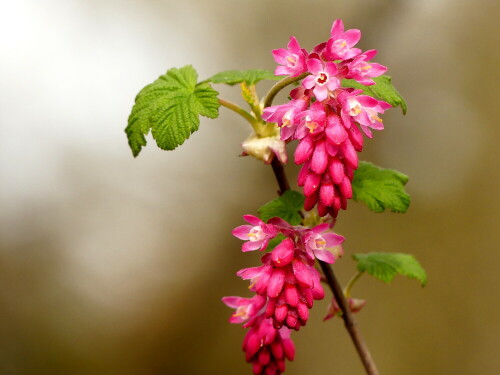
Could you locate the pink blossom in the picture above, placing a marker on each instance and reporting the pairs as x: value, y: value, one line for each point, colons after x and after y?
x: 362, y: 71
x: 257, y: 234
x: 340, y: 45
x: 363, y: 109
x: 246, y: 308
x: 316, y: 243
x: 323, y: 78
x: 312, y: 120
x: 292, y: 60
x: 285, y: 116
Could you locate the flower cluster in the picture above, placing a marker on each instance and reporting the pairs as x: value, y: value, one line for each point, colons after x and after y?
x: 285, y: 286
x: 324, y: 117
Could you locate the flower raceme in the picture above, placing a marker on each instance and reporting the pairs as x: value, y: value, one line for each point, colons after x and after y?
x: 285, y: 286
x: 324, y: 117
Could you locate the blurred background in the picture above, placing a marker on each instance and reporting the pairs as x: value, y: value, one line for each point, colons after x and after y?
x: 115, y: 265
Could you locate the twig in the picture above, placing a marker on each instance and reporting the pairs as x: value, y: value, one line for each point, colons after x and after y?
x: 278, y: 86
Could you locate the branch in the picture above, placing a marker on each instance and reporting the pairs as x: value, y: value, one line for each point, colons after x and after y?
x: 350, y: 324
x: 333, y: 283
x: 236, y: 108
x: 278, y: 86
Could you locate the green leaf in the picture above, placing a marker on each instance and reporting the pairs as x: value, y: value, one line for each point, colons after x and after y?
x: 383, y: 90
x: 380, y: 188
x: 250, y: 77
x: 170, y: 107
x: 286, y: 207
x: 385, y: 266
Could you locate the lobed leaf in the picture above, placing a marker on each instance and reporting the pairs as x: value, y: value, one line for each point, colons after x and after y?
x: 170, y: 107
x: 383, y: 90
x: 250, y: 77
x: 287, y: 207
x: 380, y: 188
x: 385, y: 266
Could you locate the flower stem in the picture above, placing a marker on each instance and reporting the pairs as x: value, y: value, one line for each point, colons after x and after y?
x: 278, y: 86
x: 333, y: 283
x: 236, y: 108
x: 350, y: 284
x: 350, y: 324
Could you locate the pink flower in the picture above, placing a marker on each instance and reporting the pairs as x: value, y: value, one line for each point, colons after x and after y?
x: 340, y: 45
x: 246, y: 308
x: 323, y: 78
x: 363, y: 109
x: 285, y: 116
x: 316, y: 243
x: 312, y: 120
x: 257, y: 234
x: 292, y: 60
x: 360, y: 70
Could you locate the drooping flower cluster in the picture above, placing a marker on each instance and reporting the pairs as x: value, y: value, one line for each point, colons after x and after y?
x: 324, y: 117
x: 286, y: 285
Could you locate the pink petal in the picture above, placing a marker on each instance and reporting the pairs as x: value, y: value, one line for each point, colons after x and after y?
x: 325, y: 256
x: 282, y: 71
x: 337, y: 29
x: 333, y: 239
x: 294, y: 46
x: 331, y: 69
x: 280, y: 55
x: 309, y: 82
x: 252, y: 272
x: 377, y: 70
x: 242, y: 231
x: 320, y: 92
x: 367, y: 131
x: 314, y: 66
x: 333, y: 83
x: 320, y: 228
x: 370, y: 54
x: 252, y: 220
x: 367, y: 101
x: 251, y: 246
x: 232, y: 301
x: 352, y: 37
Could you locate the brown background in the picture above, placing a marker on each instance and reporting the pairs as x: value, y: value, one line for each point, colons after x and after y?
x: 110, y: 265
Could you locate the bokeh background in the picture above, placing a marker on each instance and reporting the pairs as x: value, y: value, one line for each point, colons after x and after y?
x: 115, y: 265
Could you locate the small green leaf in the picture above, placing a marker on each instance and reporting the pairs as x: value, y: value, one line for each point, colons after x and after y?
x: 383, y: 90
x: 250, y: 77
x: 286, y: 207
x: 380, y: 188
x: 170, y: 107
x: 385, y: 266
